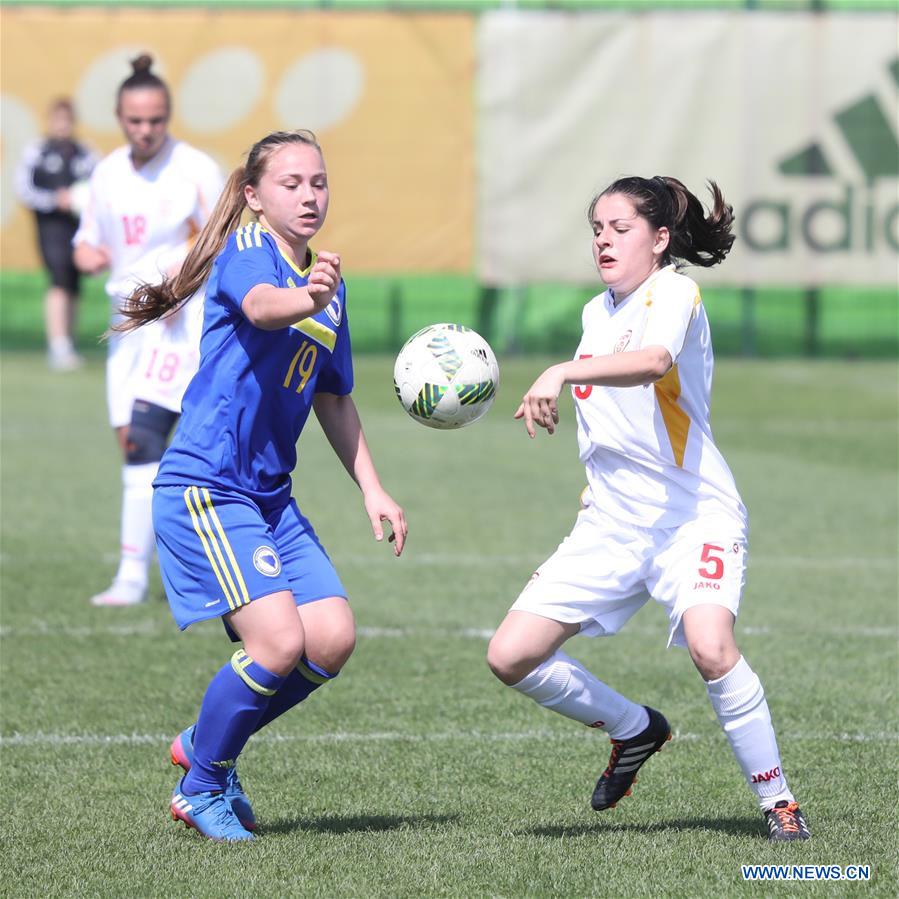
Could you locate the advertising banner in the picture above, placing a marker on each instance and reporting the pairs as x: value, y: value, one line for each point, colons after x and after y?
x: 793, y: 115
x: 388, y: 94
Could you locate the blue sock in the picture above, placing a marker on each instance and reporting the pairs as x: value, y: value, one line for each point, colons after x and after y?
x: 234, y: 701
x: 305, y: 678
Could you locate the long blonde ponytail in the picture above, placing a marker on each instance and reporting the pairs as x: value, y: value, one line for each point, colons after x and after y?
x: 150, y: 302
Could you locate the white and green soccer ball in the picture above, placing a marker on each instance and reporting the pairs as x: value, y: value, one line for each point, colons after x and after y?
x: 446, y: 376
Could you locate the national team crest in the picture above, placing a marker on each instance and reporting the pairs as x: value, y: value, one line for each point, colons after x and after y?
x: 335, y: 310
x: 266, y: 561
x: 622, y: 342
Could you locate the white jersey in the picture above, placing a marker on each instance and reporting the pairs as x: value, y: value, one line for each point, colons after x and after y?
x: 146, y: 217
x: 649, y: 452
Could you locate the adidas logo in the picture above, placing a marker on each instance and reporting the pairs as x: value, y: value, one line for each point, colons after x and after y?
x: 860, y: 216
x: 180, y: 803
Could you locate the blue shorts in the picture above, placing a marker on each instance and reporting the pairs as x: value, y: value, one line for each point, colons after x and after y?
x: 218, y: 551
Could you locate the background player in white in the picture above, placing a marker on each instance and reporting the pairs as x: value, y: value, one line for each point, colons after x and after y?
x: 661, y: 515
x: 147, y: 201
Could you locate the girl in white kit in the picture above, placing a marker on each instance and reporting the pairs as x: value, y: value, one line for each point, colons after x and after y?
x: 661, y: 514
x: 147, y: 202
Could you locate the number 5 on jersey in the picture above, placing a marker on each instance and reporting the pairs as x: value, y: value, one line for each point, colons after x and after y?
x: 715, y: 569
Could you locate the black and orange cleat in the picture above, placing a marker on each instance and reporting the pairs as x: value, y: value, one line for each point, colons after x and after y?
x: 626, y: 759
x: 785, y: 823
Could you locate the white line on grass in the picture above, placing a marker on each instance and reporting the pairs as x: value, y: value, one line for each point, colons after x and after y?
x: 470, y: 560
x: 764, y: 630
x: 528, y: 561
x: 40, y: 738
x: 38, y: 628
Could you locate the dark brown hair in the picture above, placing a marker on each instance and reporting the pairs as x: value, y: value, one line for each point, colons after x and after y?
x: 665, y: 202
x: 150, y: 302
x: 142, y: 78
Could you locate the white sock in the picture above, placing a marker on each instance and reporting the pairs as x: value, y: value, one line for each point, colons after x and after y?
x: 565, y: 686
x: 739, y: 702
x: 138, y: 539
x: 61, y: 346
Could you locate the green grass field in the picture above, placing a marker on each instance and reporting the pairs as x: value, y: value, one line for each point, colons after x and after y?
x: 416, y: 773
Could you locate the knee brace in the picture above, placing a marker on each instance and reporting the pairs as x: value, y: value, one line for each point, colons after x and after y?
x: 148, y: 432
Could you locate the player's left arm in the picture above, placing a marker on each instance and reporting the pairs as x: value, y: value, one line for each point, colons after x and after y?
x: 339, y: 419
x: 539, y: 406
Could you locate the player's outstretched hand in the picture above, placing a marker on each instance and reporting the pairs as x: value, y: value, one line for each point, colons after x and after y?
x: 324, y: 279
x: 539, y: 405
x: 90, y: 259
x: 381, y: 507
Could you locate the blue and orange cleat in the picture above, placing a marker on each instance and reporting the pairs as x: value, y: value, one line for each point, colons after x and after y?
x: 209, y: 813
x: 182, y: 754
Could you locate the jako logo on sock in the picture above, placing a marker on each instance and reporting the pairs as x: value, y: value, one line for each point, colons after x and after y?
x: 765, y: 776
x: 266, y: 561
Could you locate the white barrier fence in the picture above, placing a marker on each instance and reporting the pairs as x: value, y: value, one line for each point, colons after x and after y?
x: 793, y: 115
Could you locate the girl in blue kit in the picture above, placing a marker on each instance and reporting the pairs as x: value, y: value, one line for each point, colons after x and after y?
x: 232, y: 542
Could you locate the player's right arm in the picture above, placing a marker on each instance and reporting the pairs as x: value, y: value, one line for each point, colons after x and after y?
x: 90, y: 254
x: 539, y: 405
x: 269, y: 307
x: 34, y: 197
x: 90, y: 259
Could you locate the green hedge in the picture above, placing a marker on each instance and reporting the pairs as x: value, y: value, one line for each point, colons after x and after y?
x: 540, y: 318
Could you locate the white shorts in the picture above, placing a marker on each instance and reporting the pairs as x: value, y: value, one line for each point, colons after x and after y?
x: 606, y: 569
x: 154, y: 363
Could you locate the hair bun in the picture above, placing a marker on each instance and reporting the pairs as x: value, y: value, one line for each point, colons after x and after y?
x: 142, y: 63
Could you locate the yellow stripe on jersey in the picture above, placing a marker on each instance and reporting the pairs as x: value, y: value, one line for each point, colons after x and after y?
x: 302, y: 272
x: 240, y: 661
x: 249, y: 235
x: 677, y: 422
x: 192, y: 503
x: 316, y: 330
x: 244, y: 595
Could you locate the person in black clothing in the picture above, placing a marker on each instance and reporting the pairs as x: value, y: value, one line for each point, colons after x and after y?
x: 46, y: 175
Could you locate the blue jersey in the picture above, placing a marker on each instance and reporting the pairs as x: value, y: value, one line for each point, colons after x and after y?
x: 246, y: 406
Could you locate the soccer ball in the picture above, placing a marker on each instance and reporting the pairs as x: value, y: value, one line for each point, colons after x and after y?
x: 446, y: 376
